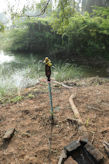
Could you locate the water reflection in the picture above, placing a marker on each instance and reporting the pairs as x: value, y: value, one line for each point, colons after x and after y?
x: 18, y: 71
x: 5, y: 58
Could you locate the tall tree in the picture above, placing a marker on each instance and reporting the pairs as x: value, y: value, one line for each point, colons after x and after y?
x: 84, y: 5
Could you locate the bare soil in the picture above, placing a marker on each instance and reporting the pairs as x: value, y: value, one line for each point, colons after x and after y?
x: 34, y: 142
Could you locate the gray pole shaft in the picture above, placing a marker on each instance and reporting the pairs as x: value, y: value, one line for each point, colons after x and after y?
x: 50, y: 95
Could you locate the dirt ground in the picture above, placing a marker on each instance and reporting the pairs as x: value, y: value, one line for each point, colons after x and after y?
x: 34, y: 142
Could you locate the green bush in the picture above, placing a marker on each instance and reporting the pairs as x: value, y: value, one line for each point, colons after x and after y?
x: 65, y: 34
x: 66, y: 71
x: 33, y: 36
x: 85, y: 34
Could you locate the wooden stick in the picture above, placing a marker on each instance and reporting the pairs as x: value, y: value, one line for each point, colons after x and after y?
x: 82, y: 128
x: 74, y: 108
x: 93, y: 138
x: 64, y: 85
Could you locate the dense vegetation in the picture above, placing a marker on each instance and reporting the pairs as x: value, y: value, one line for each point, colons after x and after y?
x: 35, y: 36
x: 67, y: 32
x: 76, y: 35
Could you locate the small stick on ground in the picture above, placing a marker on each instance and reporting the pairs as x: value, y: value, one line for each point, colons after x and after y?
x: 82, y: 128
x: 64, y: 85
x: 106, y: 146
x: 93, y: 138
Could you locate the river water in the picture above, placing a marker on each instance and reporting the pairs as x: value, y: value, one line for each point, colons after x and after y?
x: 19, y: 71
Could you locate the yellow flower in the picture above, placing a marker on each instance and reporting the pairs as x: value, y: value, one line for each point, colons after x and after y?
x: 47, y: 61
x: 49, y: 64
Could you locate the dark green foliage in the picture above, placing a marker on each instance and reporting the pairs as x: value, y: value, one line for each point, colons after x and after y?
x: 86, y: 34
x: 65, y: 34
x: 34, y: 36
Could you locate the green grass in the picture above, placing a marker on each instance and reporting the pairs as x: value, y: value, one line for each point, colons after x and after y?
x: 66, y: 71
x: 32, y: 70
x: 26, y: 70
x: 31, y: 96
x: 16, y: 99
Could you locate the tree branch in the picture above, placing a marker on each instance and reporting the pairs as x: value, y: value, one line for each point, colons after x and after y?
x: 42, y: 11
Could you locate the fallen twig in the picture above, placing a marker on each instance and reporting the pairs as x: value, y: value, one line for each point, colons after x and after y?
x: 106, y: 146
x: 93, y: 138
x: 94, y: 108
x: 74, y: 108
x: 82, y: 129
x: 64, y: 85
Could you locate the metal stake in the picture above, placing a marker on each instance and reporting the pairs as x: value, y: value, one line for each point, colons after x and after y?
x: 50, y: 95
x: 48, y: 65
